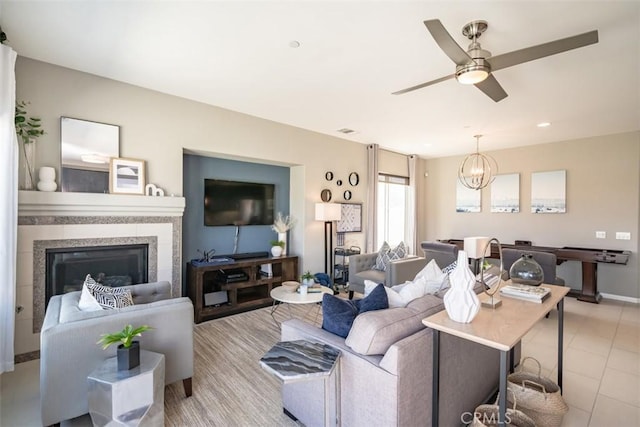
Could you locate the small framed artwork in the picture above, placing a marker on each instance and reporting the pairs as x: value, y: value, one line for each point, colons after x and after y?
x: 126, y: 176
x: 351, y: 218
x: 548, y: 192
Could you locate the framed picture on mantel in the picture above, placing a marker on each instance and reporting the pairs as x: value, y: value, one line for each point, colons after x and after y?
x: 126, y: 176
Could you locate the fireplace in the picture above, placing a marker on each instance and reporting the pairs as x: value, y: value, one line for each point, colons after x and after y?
x: 112, y: 265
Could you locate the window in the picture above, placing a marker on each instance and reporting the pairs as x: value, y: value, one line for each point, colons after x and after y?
x: 392, y: 209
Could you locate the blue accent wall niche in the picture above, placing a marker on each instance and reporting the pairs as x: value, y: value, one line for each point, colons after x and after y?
x: 252, y: 238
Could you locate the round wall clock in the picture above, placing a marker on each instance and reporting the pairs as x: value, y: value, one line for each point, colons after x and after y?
x: 325, y: 195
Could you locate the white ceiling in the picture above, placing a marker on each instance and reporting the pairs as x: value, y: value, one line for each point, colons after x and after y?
x: 352, y: 55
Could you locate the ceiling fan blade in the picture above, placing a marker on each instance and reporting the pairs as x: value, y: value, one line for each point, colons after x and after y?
x: 447, y: 43
x: 421, y: 85
x: 492, y: 88
x: 540, y: 51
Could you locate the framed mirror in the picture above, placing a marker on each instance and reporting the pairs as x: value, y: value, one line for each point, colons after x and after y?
x: 354, y: 179
x: 325, y: 195
x: 86, y: 149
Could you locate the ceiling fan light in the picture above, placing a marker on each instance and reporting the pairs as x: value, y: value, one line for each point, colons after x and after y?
x: 470, y: 75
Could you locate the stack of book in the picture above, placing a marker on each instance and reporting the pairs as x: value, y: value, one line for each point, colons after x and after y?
x: 526, y: 292
x: 490, y: 277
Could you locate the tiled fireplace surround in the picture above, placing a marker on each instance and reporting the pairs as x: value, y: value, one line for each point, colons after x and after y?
x: 55, y: 220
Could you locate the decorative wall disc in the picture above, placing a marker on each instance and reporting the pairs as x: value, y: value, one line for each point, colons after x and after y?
x: 354, y: 179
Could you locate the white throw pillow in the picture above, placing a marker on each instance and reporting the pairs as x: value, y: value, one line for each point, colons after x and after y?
x: 432, y: 278
x: 399, y: 295
x: 411, y: 291
x: 392, y: 296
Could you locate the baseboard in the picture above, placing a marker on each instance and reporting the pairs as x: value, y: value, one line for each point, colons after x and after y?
x: 620, y: 298
x: 289, y: 414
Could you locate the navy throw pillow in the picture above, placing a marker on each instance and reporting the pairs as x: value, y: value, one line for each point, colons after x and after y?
x: 338, y: 315
x: 376, y: 300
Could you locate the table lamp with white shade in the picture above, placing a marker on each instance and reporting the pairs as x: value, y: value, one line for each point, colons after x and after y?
x: 477, y: 247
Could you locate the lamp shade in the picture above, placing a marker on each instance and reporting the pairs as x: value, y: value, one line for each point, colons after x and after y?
x: 474, y: 247
x: 328, y: 211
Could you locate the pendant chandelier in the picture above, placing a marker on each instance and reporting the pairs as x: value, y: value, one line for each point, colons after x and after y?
x: 477, y: 170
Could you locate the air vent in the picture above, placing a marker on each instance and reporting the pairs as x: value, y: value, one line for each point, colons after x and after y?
x: 346, y: 131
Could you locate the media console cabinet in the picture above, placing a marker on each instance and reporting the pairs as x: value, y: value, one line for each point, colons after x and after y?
x: 247, y: 284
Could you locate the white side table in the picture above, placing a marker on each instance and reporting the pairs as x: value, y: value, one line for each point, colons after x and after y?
x: 128, y: 398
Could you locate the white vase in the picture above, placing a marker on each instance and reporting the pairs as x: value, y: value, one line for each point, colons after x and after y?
x: 276, y: 250
x: 461, y: 302
x: 47, y: 177
x: 282, y: 237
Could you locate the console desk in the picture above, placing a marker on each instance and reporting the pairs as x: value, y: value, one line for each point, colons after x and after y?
x: 590, y: 258
x: 500, y: 328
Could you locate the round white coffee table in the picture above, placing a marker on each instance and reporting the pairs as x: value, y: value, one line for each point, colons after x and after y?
x: 286, y: 295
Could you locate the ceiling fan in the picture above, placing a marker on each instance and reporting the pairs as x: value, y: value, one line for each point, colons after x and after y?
x: 476, y: 64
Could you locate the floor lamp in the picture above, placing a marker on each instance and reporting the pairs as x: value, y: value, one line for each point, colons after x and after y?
x: 328, y: 212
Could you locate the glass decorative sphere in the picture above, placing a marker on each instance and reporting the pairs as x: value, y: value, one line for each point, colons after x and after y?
x: 526, y: 271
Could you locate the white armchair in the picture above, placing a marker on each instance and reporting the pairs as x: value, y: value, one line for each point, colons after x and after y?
x: 69, y: 349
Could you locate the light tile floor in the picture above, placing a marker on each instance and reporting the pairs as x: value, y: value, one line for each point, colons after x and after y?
x: 601, y: 368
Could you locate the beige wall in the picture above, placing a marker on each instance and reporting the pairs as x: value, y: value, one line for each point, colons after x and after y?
x: 158, y: 127
x: 603, y: 180
x: 603, y: 184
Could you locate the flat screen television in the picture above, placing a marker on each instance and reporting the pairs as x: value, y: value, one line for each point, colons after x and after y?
x: 238, y: 203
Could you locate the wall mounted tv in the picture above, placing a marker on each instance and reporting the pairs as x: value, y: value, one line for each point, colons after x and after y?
x: 238, y: 203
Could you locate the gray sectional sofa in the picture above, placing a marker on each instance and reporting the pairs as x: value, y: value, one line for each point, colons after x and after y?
x: 386, y: 370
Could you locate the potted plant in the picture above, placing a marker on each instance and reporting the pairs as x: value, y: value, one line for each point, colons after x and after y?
x: 128, y: 354
x: 27, y: 129
x: 308, y: 279
x: 281, y: 225
x: 277, y: 246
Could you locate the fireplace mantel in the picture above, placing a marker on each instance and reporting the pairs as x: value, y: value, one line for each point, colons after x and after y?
x: 39, y: 203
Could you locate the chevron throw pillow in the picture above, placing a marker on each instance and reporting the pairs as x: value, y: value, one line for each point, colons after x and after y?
x: 107, y: 297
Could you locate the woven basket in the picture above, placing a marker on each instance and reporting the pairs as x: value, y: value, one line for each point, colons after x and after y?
x: 487, y: 416
x: 537, y: 397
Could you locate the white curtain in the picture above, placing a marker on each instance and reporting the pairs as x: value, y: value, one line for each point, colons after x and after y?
x: 412, y: 213
x: 371, y: 236
x: 9, y: 202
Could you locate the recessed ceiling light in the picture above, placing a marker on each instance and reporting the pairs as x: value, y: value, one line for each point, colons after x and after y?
x: 346, y: 131
x: 544, y: 124
x: 294, y: 44
x: 427, y: 144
